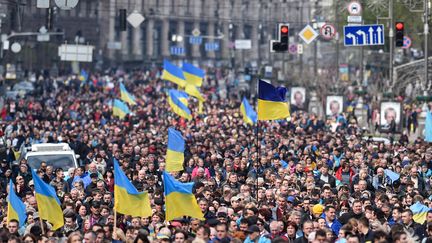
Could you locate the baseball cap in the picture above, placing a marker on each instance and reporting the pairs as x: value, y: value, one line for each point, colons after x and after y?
x: 93, y: 175
x: 253, y: 228
x: 291, y: 199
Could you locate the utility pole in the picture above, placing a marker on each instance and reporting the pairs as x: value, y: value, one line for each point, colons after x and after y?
x: 426, y: 33
x: 391, y: 35
x: 337, y: 39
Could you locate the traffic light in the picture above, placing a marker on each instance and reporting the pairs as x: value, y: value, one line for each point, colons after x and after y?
x: 283, y: 43
x: 399, y: 28
x: 122, y: 19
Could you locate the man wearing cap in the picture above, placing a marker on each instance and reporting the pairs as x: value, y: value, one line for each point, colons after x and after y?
x: 254, y: 235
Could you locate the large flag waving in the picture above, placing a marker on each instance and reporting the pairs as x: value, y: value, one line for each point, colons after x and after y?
x: 173, y: 73
x: 179, y: 199
x: 16, y: 208
x: 271, y: 102
x: 126, y: 96
x: 192, y: 90
x: 419, y: 212
x: 120, y: 109
x: 249, y: 115
x: 192, y: 74
x: 48, y: 202
x: 176, y: 100
x: 175, y: 151
x: 127, y: 199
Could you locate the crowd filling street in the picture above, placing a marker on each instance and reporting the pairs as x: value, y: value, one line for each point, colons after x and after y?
x: 310, y: 179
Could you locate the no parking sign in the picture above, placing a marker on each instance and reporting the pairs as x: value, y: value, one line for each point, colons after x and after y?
x: 406, y: 42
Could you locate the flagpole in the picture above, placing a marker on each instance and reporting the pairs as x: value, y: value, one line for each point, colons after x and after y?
x: 42, y: 226
x: 115, y: 221
x: 257, y: 141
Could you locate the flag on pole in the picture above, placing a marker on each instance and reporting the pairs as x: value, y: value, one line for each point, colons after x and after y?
x: 192, y: 74
x: 16, y: 208
x: 179, y: 199
x: 176, y: 100
x: 120, y: 109
x: 272, y: 104
x: 192, y: 90
x: 48, y: 202
x: 173, y: 74
x: 249, y: 115
x: 175, y: 151
x: 127, y: 199
x: 83, y: 75
x: 126, y: 96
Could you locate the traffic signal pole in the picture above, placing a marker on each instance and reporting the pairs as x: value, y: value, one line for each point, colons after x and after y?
x: 391, y: 40
x: 426, y: 33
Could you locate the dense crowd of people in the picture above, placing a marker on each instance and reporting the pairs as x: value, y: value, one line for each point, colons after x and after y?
x: 304, y: 182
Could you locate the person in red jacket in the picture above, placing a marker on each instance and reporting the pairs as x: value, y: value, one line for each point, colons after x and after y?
x: 345, y: 174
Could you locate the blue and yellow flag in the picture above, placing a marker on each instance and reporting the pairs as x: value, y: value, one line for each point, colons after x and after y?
x: 175, y: 151
x: 249, y: 115
x: 126, y: 96
x: 173, y: 73
x: 176, y: 101
x: 419, y: 212
x: 271, y: 102
x: 192, y: 74
x: 48, y: 203
x: 83, y: 76
x: 179, y: 199
x: 127, y: 199
x: 193, y: 91
x: 16, y: 208
x: 120, y: 109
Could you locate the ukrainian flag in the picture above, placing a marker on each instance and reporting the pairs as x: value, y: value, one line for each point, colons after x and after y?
x: 83, y: 76
x: 48, y: 203
x: 127, y: 199
x: 176, y: 100
x: 192, y: 90
x: 249, y: 115
x: 16, y: 208
x: 126, y: 96
x: 173, y: 73
x: 271, y: 102
x: 419, y: 212
x: 179, y: 200
x: 120, y: 109
x: 175, y: 151
x: 193, y: 74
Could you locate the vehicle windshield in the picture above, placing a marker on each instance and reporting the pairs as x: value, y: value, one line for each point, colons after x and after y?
x: 64, y: 161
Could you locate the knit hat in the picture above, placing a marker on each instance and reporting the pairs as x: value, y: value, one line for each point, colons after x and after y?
x: 318, y: 209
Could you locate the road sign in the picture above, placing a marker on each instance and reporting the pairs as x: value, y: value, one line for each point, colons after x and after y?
x: 195, y: 40
x: 354, y: 8
x: 196, y: 32
x: 79, y: 53
x: 406, y: 42
x: 16, y: 47
x: 328, y: 31
x: 114, y: 45
x: 364, y: 35
x: 292, y: 48
x: 299, y: 49
x: 42, y: 4
x: 308, y: 34
x: 211, y: 46
x: 66, y: 4
x: 243, y: 44
x: 135, y: 19
x: 354, y: 19
x: 177, y: 50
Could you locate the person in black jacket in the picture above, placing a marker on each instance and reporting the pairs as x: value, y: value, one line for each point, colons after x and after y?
x: 326, y: 178
x: 410, y: 225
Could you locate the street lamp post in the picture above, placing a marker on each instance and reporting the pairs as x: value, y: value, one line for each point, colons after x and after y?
x: 427, y: 7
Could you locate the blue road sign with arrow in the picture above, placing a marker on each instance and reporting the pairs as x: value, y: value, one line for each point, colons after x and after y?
x: 364, y: 35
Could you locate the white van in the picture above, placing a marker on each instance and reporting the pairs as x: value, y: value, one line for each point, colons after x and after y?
x: 58, y: 155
